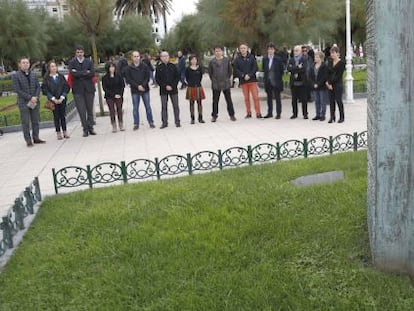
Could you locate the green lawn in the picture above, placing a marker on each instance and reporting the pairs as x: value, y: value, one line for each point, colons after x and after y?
x: 12, y: 115
x: 240, y: 239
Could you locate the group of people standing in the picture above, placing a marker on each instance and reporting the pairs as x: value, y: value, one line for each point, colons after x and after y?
x: 81, y: 79
x: 307, y: 75
x: 323, y: 78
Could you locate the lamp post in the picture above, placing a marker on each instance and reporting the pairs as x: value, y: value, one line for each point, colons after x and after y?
x: 348, y: 78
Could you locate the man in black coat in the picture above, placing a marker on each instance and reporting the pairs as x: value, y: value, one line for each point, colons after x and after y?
x: 137, y: 75
x: 83, y: 89
x: 297, y: 66
x: 27, y: 87
x: 167, y: 78
x: 273, y: 68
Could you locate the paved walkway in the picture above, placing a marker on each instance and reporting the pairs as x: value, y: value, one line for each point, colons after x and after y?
x: 20, y: 164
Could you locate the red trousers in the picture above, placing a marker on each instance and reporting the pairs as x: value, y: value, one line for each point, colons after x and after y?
x: 247, y: 88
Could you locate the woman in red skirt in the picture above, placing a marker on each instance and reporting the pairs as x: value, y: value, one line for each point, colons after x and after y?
x: 195, y: 92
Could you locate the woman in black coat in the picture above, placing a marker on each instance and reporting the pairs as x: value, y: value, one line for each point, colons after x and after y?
x: 334, y: 84
x: 56, y: 88
x: 319, y: 76
x: 113, y: 85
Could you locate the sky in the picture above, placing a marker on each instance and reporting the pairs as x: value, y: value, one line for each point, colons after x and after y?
x: 181, y: 7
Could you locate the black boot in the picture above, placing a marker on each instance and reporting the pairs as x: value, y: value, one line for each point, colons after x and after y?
x: 341, y: 112
x: 200, y: 112
x: 192, y: 111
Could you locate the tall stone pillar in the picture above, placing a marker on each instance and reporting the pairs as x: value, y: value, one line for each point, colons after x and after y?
x: 390, y: 45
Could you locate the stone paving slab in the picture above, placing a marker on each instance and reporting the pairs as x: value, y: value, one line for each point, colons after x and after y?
x: 19, y: 164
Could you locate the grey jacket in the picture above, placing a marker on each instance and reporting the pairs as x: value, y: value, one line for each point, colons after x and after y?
x: 25, y: 87
x: 220, y: 73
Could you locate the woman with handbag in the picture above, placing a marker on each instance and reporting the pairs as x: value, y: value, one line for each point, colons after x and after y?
x: 56, y: 88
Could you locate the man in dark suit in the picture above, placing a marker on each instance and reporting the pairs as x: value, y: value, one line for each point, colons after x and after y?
x: 83, y: 89
x: 273, y: 78
x: 27, y: 87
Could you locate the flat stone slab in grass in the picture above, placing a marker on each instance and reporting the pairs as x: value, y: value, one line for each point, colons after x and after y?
x: 322, y: 178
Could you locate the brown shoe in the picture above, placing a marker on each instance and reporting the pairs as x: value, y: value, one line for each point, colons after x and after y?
x: 233, y: 118
x: 29, y: 143
x: 38, y: 141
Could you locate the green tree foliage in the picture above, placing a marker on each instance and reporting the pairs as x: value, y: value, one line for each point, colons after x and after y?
x: 95, y: 16
x: 135, y: 32
x: 285, y: 22
x: 185, y: 36
x: 22, y: 32
x: 142, y: 7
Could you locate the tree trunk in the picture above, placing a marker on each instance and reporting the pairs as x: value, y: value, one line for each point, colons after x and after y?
x: 95, y: 62
x: 390, y: 47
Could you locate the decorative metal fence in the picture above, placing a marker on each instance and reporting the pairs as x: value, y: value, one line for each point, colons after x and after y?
x: 14, y: 221
x: 175, y: 164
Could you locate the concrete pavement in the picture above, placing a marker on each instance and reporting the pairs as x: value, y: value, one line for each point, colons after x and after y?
x: 19, y: 164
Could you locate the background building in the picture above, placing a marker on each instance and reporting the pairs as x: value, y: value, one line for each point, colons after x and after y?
x: 56, y: 8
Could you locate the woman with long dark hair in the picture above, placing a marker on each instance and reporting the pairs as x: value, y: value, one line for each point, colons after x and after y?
x: 113, y: 85
x: 56, y: 88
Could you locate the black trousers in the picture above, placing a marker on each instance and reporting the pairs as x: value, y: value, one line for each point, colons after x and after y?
x: 271, y: 92
x: 335, y: 97
x: 59, y: 116
x: 229, y: 102
x: 84, y: 104
x: 299, y: 94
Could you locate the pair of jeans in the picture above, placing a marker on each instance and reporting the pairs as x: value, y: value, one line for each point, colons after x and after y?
x: 251, y: 88
x: 321, y: 97
x: 135, y: 103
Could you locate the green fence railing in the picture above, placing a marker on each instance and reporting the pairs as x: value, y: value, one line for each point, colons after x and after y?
x: 175, y: 164
x: 14, y: 220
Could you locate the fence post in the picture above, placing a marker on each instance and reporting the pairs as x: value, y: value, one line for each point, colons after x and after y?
x: 220, y: 156
x: 355, y: 141
x: 38, y: 194
x: 124, y: 172
x: 249, y: 154
x: 7, y: 232
x: 277, y: 151
x: 18, y: 209
x: 28, y: 194
x: 189, y: 164
x: 305, y: 148
x: 89, y: 175
x: 54, y: 180
x: 157, y: 167
x: 330, y: 144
